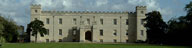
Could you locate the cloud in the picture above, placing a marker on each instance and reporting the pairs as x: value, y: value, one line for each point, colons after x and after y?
x: 19, y: 10
x: 101, y: 2
x: 117, y: 7
x: 153, y: 5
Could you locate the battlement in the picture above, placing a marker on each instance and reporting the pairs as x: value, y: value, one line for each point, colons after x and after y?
x: 111, y: 12
x: 141, y: 7
x: 38, y: 6
x: 35, y: 6
x: 131, y: 12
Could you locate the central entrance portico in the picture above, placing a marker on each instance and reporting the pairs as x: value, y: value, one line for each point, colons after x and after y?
x: 86, y: 33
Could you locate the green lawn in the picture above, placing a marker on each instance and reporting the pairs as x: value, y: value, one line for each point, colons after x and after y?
x: 83, y: 45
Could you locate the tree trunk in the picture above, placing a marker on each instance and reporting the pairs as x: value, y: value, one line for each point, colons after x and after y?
x: 35, y: 38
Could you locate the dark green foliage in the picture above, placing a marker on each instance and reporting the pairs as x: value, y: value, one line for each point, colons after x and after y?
x: 8, y: 30
x: 156, y: 27
x: 180, y: 29
x: 36, y: 27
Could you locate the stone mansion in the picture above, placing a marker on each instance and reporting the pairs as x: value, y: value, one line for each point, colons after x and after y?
x: 91, y: 26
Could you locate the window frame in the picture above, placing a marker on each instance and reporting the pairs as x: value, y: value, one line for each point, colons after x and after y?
x: 47, y: 21
x: 115, y: 21
x: 115, y: 32
x: 127, y: 21
x: 60, y: 20
x: 142, y: 32
x: 101, y: 21
x: 88, y: 21
x: 142, y: 21
x: 47, y: 31
x: 127, y: 32
x: 101, y: 40
x: 75, y: 21
x: 115, y: 40
x: 60, y: 32
x: 101, y: 32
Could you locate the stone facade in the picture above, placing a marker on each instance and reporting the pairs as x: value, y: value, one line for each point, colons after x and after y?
x: 88, y: 26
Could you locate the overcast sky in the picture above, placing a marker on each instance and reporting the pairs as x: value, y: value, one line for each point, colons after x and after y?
x: 19, y: 10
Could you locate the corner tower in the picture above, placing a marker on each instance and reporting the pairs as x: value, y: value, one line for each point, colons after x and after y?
x: 35, y: 11
x: 141, y: 34
x: 137, y: 31
x: 35, y: 14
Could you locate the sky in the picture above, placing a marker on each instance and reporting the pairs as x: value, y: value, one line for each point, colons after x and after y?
x: 19, y: 10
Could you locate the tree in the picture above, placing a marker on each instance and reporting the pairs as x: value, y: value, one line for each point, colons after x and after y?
x: 188, y: 8
x: 156, y: 27
x: 8, y: 29
x: 36, y: 27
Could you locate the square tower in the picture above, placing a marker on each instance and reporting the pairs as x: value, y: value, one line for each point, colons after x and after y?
x: 35, y: 11
x: 141, y: 30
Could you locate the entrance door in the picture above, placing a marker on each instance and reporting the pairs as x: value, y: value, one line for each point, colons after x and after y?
x: 88, y: 36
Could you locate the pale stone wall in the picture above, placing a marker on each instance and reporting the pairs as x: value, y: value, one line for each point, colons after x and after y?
x: 95, y: 26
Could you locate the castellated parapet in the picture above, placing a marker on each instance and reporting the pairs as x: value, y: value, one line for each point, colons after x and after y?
x: 87, y: 12
x: 38, y: 6
x: 141, y: 7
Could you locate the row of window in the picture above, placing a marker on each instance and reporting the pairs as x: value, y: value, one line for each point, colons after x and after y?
x: 60, y: 31
x: 115, y: 32
x: 88, y: 21
x: 101, y: 32
x: 114, y: 40
x: 101, y: 40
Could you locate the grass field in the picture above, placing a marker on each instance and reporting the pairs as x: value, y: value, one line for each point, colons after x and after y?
x: 84, y: 45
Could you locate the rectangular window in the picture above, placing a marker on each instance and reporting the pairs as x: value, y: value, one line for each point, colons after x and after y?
x: 114, y: 40
x: 60, y: 40
x: 60, y: 20
x: 88, y: 21
x: 75, y: 21
x: 47, y: 20
x: 127, y: 40
x: 115, y: 32
x: 101, y: 21
x: 60, y: 31
x: 142, y: 21
x: 127, y: 21
x: 115, y: 21
x: 101, y: 32
x: 47, y: 31
x: 142, y: 32
x: 47, y: 40
x: 101, y: 40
